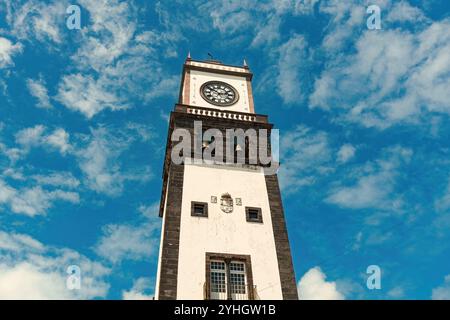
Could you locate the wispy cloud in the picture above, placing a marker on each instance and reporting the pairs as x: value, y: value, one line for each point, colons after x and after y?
x: 58, y: 179
x: 31, y: 19
x: 305, y: 154
x: 35, y: 200
x: 257, y: 22
x: 100, y: 164
x: 292, y: 56
x: 402, y: 11
x: 116, y: 63
x: 395, y: 76
x: 36, y: 136
x: 32, y: 270
x: 89, y: 96
x: 38, y: 90
x: 345, y: 153
x: 130, y: 241
x: 373, y: 184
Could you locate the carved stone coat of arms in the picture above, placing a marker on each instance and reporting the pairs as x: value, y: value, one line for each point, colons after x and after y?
x: 226, y: 203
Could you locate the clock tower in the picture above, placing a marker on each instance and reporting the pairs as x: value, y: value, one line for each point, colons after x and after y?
x: 224, y: 233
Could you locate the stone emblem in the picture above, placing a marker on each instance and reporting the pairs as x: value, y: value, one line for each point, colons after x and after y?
x: 226, y: 203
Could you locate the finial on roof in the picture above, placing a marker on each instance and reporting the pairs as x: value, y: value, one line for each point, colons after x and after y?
x: 245, y: 64
x: 189, y: 56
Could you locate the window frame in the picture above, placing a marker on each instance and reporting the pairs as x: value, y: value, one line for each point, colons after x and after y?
x: 235, y: 285
x: 229, y: 258
x: 205, y: 207
x: 247, y: 215
x: 222, y: 272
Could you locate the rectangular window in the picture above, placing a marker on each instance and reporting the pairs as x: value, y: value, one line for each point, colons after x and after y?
x: 218, y: 275
x: 237, y: 278
x: 253, y: 214
x: 199, y: 209
x: 229, y: 277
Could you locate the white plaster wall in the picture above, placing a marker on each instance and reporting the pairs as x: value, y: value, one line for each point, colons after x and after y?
x: 225, y: 233
x: 198, y: 78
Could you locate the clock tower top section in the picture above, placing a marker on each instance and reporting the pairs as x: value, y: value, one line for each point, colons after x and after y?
x: 212, y: 84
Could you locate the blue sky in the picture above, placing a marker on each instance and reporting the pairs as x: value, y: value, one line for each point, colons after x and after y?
x: 363, y: 118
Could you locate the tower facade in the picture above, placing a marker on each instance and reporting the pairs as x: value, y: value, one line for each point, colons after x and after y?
x: 223, y: 234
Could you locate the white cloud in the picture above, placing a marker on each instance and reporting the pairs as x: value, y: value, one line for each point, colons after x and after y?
x: 268, y: 31
x: 373, y: 184
x: 39, y: 91
x: 31, y: 270
x: 41, y: 191
x: 234, y: 16
x: 98, y: 156
x: 259, y: 20
x: 232, y: 22
x: 345, y: 17
x: 59, y: 139
x: 402, y: 11
x: 395, y: 76
x: 13, y: 154
x: 30, y: 202
x: 164, y: 87
x: 35, y: 137
x: 99, y: 161
x: 121, y: 242
x: 25, y: 281
x: 145, y: 132
x: 87, y: 95
x: 58, y: 179
x: 131, y: 241
x: 115, y: 65
x: 127, y: 242
x: 149, y: 211
x: 35, y: 19
x: 345, y: 153
x: 33, y: 201
x: 30, y: 136
x: 7, y: 51
x: 442, y: 292
x: 6, y: 192
x: 15, y: 242
x: 137, y: 292
x: 110, y: 34
x: 13, y: 173
x: 305, y: 155
x: 313, y: 286
x: 289, y: 79
x: 305, y: 6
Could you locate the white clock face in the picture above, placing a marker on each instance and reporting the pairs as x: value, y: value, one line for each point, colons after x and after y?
x: 219, y: 93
